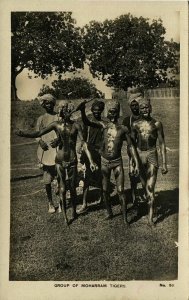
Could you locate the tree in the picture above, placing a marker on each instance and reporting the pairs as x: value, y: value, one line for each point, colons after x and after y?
x: 72, y: 88
x: 129, y: 52
x: 45, y: 43
x: 47, y: 90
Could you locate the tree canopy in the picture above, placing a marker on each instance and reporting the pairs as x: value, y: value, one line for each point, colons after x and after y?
x: 130, y: 52
x: 72, y: 88
x: 45, y: 43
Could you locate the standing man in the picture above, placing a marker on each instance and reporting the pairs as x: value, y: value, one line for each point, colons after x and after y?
x: 93, y: 137
x: 145, y: 132
x: 111, y: 160
x: 67, y: 132
x: 46, y: 154
x: 133, y: 103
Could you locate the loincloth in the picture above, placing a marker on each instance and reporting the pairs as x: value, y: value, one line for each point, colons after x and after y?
x: 111, y: 164
x: 148, y: 156
x: 70, y: 169
x: 92, y: 178
x: 49, y: 173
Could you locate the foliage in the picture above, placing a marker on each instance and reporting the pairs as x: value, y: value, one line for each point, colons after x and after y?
x: 45, y: 43
x: 24, y: 114
x: 129, y: 52
x: 72, y: 88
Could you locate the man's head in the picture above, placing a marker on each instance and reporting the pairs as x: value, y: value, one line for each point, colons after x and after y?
x: 97, y: 109
x: 113, y: 110
x: 145, y: 107
x: 47, y: 101
x: 133, y: 102
x: 65, y: 110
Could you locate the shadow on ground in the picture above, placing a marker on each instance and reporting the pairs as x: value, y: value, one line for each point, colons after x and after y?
x: 166, y: 204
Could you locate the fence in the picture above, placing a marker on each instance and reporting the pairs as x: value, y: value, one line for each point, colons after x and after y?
x: 163, y: 93
x: 158, y: 93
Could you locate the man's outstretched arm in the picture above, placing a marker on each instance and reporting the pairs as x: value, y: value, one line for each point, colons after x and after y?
x: 35, y: 134
x: 86, y: 121
x: 162, y: 146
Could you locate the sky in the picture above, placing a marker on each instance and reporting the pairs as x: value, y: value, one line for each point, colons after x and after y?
x: 85, y: 12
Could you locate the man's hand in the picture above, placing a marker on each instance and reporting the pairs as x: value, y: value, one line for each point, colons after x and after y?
x: 54, y: 143
x: 93, y: 166
x: 164, y: 169
x: 19, y: 132
x: 81, y: 106
x: 43, y: 145
x: 136, y: 171
x: 131, y: 169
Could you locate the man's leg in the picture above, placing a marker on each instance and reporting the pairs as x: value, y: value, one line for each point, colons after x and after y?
x: 48, y: 175
x: 85, y: 192
x: 106, y: 172
x: 49, y: 196
x: 62, y: 190
x: 101, y: 196
x: 133, y: 183
x: 150, y: 189
x: 119, y: 177
x: 72, y: 175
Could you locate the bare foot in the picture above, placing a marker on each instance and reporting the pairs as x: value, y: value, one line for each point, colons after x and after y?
x: 51, y: 209
x: 74, y: 216
x: 108, y: 217
x: 59, y: 208
x: 151, y: 223
x: 82, y: 210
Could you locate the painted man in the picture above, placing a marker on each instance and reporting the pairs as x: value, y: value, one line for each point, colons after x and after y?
x: 93, y: 137
x: 128, y: 122
x: 111, y: 160
x: 46, y: 154
x: 66, y: 157
x: 146, y: 132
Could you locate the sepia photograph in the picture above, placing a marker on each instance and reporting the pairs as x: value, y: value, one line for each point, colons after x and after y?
x: 98, y: 113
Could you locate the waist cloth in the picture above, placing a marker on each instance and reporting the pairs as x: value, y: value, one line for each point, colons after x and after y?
x: 111, y: 163
x: 148, y: 156
x: 92, y: 178
x: 70, y: 169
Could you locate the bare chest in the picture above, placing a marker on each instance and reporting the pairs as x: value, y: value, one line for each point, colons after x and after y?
x: 112, y: 132
x: 147, y: 129
x: 67, y: 131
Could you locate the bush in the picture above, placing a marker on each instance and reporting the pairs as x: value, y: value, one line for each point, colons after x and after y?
x: 24, y: 114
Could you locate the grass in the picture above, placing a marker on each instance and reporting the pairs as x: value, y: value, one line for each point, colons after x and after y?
x: 43, y: 248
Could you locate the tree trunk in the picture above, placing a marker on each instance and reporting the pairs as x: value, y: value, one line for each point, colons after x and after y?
x: 14, y: 96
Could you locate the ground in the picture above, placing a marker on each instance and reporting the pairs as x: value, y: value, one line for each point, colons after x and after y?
x: 43, y: 248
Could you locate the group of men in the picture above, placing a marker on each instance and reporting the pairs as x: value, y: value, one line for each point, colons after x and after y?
x: 102, y: 141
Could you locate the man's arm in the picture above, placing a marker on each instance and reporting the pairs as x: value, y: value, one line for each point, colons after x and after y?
x: 162, y: 146
x: 132, y: 151
x: 42, y: 144
x: 134, y: 134
x: 85, y: 148
x: 86, y: 121
x: 38, y: 133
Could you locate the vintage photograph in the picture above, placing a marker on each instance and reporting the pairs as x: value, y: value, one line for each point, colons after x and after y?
x: 95, y: 103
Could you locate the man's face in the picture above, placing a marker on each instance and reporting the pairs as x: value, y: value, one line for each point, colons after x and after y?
x: 113, y: 115
x: 145, y: 110
x: 66, y: 111
x: 134, y: 107
x: 48, y: 106
x: 97, y: 112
